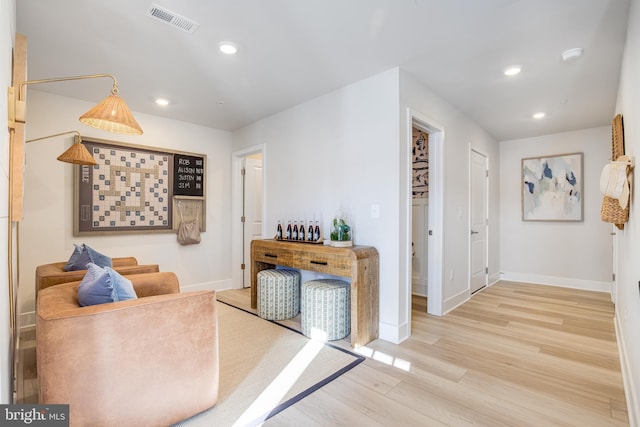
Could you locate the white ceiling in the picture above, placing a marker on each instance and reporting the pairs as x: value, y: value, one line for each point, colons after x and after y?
x: 291, y: 51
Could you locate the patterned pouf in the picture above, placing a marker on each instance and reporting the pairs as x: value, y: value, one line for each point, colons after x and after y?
x: 325, y: 309
x: 278, y: 294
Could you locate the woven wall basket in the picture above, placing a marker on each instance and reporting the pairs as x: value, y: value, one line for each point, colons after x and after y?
x: 613, y: 213
x: 611, y: 210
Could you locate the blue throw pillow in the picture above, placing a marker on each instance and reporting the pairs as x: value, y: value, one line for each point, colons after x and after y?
x: 104, y: 285
x: 83, y: 255
x: 98, y: 258
x: 78, y: 260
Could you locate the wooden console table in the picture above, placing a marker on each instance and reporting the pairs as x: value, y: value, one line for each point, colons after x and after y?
x: 358, y: 263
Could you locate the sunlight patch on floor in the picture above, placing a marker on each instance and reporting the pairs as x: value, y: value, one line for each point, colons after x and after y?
x: 385, y: 358
x: 271, y: 396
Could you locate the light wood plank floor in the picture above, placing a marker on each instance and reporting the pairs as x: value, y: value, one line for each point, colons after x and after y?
x: 515, y: 355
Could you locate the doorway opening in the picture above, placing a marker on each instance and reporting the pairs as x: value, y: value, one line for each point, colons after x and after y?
x: 247, y: 210
x: 424, y: 203
x: 419, y: 212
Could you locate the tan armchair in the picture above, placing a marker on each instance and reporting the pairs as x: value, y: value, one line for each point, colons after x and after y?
x: 53, y: 274
x: 149, y: 361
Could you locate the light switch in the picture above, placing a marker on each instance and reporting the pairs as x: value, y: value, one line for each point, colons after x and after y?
x: 375, y: 211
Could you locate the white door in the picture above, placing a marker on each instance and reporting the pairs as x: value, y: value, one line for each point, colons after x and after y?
x: 478, y: 221
x: 252, y: 211
x: 419, y: 244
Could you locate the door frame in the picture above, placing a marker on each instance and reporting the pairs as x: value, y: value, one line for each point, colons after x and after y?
x: 237, y: 158
x: 486, y: 215
x: 436, y: 208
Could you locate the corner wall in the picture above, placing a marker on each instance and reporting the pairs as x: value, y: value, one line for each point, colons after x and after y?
x: 627, y: 294
x: 339, y: 152
x: 571, y: 254
x: 46, y: 233
x: 460, y: 135
x: 347, y: 150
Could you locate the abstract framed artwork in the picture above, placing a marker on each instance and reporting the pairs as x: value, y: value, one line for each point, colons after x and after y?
x: 132, y: 188
x: 552, y: 188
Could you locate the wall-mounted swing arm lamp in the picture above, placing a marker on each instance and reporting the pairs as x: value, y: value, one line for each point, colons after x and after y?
x: 112, y: 114
x: 76, y: 154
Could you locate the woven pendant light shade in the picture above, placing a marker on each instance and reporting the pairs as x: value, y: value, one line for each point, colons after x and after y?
x: 78, y: 155
x: 112, y: 115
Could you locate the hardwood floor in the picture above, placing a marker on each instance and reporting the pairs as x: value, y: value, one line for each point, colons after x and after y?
x: 514, y: 355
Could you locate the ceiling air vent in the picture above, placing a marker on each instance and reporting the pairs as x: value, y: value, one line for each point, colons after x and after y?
x: 172, y: 18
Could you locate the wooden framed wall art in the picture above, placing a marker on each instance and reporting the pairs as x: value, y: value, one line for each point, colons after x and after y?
x: 552, y: 188
x: 131, y: 188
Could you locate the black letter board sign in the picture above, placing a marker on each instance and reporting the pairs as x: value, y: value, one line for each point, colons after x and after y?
x: 188, y: 177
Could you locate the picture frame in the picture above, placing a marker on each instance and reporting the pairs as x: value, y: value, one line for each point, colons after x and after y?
x: 132, y: 188
x: 552, y: 188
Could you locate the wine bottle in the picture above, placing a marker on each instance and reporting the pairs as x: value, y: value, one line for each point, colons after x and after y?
x: 279, y: 231
x: 316, y: 232
x: 301, y: 231
x: 294, y: 235
x: 310, y: 232
x: 288, y: 236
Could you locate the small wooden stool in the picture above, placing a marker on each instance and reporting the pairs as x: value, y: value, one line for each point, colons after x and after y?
x: 326, y: 309
x: 278, y: 294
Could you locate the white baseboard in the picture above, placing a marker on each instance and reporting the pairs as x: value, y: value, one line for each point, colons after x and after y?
x: 493, y: 279
x: 27, y: 321
x: 419, y: 290
x: 633, y: 401
x: 393, y: 334
x: 564, y: 282
x: 219, y: 285
x: 455, y: 301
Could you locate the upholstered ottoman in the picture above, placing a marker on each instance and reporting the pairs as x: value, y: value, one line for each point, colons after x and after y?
x: 278, y: 294
x: 325, y: 307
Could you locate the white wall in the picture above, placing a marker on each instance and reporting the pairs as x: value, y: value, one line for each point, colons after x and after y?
x: 347, y: 150
x: 628, y: 297
x: 46, y: 233
x: 460, y: 134
x: 7, y: 27
x: 573, y: 254
x: 339, y: 151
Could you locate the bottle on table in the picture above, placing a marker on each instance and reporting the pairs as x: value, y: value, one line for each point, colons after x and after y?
x: 310, y: 232
x: 301, y: 231
x: 288, y: 235
x: 279, y: 231
x: 316, y: 232
x: 294, y: 235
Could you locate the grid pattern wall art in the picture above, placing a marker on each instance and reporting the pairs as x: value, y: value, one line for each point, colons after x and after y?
x: 130, y: 189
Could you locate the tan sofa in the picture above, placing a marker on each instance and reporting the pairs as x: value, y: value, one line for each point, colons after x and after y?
x: 149, y: 361
x: 53, y: 274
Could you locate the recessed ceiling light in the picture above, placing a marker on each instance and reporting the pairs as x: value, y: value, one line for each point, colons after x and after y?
x: 228, y: 48
x: 539, y: 115
x: 513, y: 70
x: 571, y: 54
x: 162, y: 101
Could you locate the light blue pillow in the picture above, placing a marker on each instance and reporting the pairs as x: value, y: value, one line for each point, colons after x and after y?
x: 104, y: 285
x: 98, y: 258
x: 83, y: 255
x: 78, y: 260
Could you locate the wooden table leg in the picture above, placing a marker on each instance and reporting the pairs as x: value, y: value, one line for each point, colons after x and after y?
x: 257, y: 266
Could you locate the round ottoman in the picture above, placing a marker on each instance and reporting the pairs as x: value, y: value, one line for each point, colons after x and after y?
x: 278, y: 294
x: 325, y: 308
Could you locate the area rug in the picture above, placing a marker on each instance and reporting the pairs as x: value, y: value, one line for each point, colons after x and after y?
x: 265, y: 368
